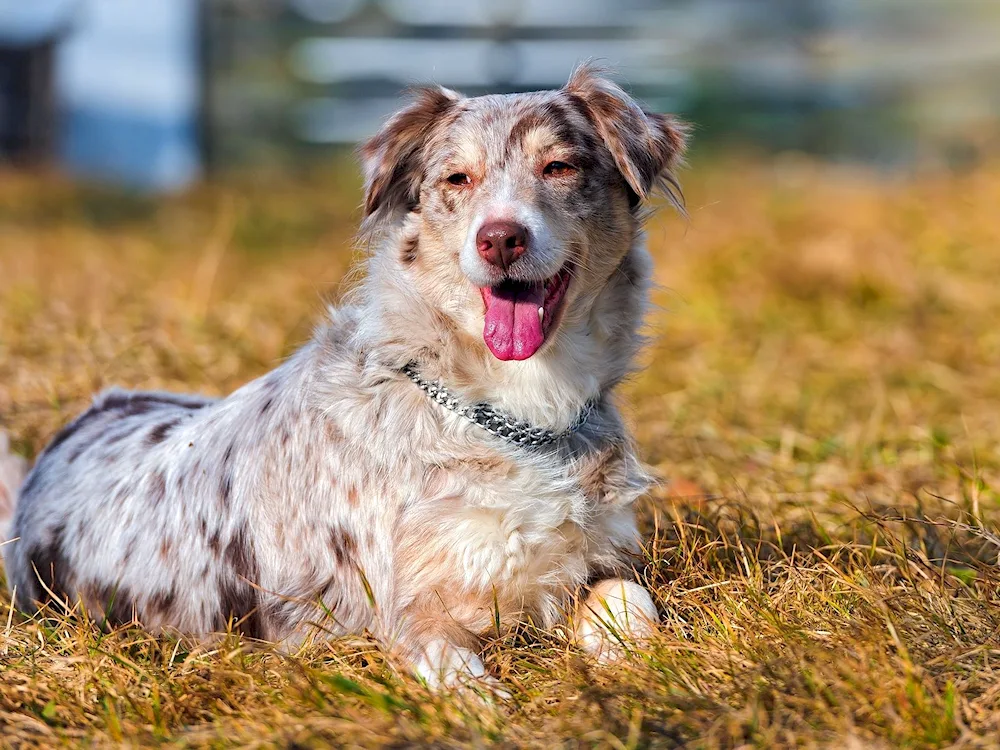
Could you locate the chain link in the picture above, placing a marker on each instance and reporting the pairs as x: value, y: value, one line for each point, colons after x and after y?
x: 496, y: 422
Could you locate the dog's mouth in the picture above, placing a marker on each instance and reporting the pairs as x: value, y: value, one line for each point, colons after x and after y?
x: 520, y: 314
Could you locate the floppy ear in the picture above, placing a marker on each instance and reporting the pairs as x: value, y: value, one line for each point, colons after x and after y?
x: 646, y: 147
x: 392, y: 160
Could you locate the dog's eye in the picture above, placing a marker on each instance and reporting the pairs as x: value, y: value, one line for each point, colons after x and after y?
x: 558, y: 169
x: 459, y: 178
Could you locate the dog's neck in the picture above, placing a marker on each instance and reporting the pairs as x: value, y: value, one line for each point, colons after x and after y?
x: 590, y: 354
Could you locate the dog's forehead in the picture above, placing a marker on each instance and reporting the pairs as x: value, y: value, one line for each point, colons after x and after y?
x: 499, y: 124
x: 502, y: 110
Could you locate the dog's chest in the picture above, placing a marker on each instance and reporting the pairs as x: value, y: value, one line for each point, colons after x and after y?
x: 507, y: 532
x: 519, y: 533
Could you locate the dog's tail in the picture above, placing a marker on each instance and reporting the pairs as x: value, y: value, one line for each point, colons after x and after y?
x: 13, y: 470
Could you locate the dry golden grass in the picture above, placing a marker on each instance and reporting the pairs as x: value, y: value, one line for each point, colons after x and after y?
x: 822, y: 389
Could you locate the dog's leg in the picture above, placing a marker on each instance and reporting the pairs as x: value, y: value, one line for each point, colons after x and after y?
x: 443, y: 654
x: 443, y: 664
x: 615, y: 615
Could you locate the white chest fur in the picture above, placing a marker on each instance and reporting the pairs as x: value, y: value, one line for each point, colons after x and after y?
x: 512, y: 538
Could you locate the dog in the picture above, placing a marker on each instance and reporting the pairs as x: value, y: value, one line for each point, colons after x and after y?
x: 443, y: 455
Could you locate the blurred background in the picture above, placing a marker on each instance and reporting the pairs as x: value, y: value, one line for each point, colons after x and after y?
x: 160, y: 93
x: 178, y: 199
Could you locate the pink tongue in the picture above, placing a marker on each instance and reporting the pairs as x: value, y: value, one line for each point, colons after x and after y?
x: 513, y: 329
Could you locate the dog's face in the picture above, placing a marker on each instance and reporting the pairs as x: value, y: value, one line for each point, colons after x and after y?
x: 513, y: 212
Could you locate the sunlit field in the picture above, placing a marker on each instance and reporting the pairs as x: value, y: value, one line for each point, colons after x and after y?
x: 821, y: 400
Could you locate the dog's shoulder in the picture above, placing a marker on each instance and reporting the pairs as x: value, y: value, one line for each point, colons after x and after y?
x: 611, y: 474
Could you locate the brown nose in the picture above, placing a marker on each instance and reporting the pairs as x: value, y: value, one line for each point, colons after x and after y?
x: 500, y: 243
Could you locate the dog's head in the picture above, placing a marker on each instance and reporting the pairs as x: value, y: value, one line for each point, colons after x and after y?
x: 511, y: 213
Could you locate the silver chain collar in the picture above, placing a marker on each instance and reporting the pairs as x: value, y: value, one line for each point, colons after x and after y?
x: 496, y: 422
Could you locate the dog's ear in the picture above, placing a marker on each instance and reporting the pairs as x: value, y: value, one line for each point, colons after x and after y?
x: 392, y: 158
x: 646, y: 147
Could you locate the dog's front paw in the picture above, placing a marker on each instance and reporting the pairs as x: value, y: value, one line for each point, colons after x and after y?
x: 445, y: 666
x: 616, y: 616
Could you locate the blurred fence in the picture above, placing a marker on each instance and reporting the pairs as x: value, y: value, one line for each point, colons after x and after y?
x: 870, y: 79
x: 153, y: 92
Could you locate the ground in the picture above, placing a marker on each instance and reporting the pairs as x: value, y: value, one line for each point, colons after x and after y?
x: 820, y: 399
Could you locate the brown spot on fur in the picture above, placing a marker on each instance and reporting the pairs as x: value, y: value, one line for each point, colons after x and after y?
x: 481, y: 465
x: 225, y: 488
x: 239, y: 602
x: 73, y: 427
x: 129, y: 548
x: 51, y: 568
x: 130, y: 405
x: 603, y: 474
x: 448, y: 199
x: 77, y: 452
x: 521, y: 128
x: 240, y: 554
x: 158, y: 433
x: 408, y: 249
x: 157, y: 488
x: 239, y: 605
x: 558, y: 119
x: 333, y: 433
x: 343, y: 545
x: 226, y: 482
x: 161, y: 603
x: 128, y: 429
x: 215, y: 543
x: 352, y: 495
x: 139, y: 403
x: 166, y: 547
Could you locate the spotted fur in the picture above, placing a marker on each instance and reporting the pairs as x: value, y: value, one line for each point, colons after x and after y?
x: 331, y: 496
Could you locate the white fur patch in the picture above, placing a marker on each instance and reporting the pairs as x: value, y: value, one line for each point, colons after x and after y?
x: 617, y: 614
x: 442, y: 664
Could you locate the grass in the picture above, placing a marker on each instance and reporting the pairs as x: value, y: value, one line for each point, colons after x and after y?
x: 822, y: 394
